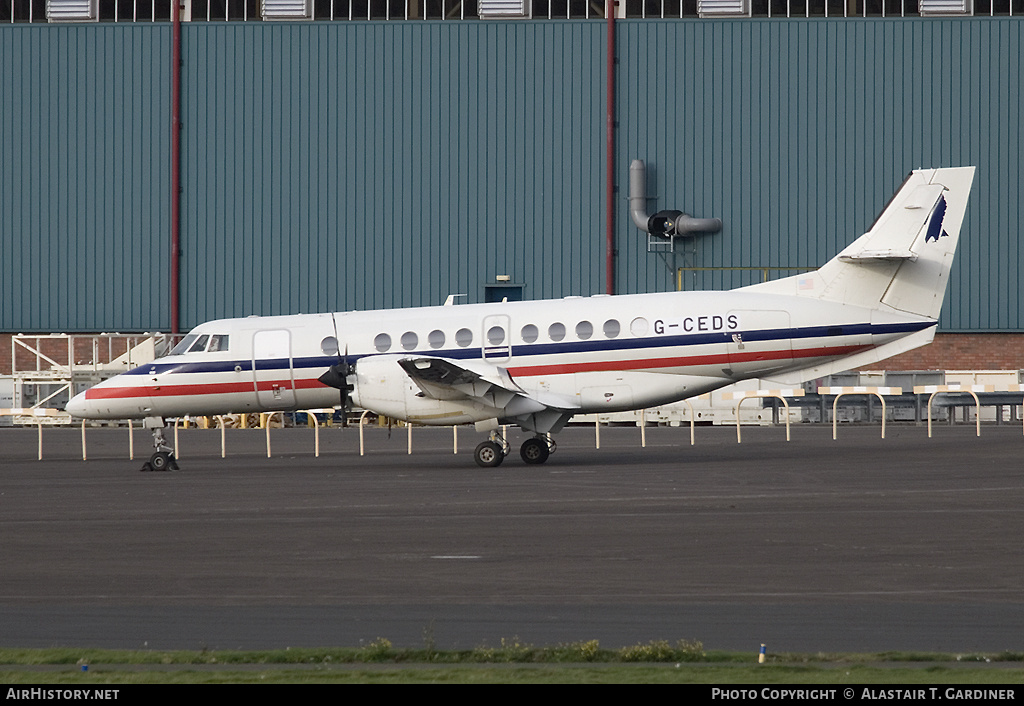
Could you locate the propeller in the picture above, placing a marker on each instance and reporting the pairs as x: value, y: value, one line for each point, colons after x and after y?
x: 337, y: 376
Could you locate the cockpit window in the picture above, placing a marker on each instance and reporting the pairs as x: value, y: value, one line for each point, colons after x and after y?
x: 218, y: 343
x: 200, y: 345
x: 184, y: 344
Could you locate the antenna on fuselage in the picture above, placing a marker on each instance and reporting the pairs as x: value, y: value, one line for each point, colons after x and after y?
x: 450, y: 301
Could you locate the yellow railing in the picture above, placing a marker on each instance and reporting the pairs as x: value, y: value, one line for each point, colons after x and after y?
x: 763, y: 270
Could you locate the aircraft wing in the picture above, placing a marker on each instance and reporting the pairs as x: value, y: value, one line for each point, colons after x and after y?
x: 446, y: 379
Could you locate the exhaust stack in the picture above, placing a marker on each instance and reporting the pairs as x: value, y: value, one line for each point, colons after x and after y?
x: 666, y: 223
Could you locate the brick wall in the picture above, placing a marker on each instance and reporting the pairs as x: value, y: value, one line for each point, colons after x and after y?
x: 962, y: 351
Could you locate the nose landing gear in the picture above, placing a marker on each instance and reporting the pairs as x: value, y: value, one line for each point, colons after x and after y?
x: 163, y: 455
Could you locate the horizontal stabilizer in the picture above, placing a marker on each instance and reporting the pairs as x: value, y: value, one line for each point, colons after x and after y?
x: 878, y: 255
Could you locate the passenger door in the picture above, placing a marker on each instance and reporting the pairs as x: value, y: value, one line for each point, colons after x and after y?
x: 272, y: 369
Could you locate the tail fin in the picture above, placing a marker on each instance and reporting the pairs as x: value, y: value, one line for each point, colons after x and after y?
x: 902, y: 263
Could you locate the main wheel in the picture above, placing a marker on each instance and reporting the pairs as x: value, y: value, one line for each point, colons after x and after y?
x: 488, y: 454
x: 534, y: 450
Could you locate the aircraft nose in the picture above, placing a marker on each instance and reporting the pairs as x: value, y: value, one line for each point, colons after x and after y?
x: 76, y: 406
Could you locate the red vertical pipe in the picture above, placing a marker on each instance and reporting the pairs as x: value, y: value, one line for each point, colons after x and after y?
x: 610, y: 167
x: 175, y: 163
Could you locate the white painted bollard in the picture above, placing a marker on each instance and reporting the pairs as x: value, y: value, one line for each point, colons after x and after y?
x: 38, y: 413
x: 455, y: 438
x: 177, y: 446
x: 751, y: 394
x: 932, y: 390
x: 693, y: 415
x: 131, y: 441
x: 311, y: 417
x: 362, y: 418
x: 266, y: 426
x: 223, y: 445
x: 858, y: 390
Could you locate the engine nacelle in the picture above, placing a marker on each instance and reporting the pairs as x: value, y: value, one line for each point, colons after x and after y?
x: 382, y: 386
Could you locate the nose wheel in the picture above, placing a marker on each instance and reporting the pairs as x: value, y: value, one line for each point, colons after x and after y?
x: 163, y: 455
x: 161, y: 461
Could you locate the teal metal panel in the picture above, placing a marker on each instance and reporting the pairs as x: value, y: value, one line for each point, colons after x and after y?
x: 796, y: 133
x: 389, y: 164
x: 377, y: 164
x: 84, y: 177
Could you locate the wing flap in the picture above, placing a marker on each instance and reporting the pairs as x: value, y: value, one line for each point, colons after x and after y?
x: 445, y: 379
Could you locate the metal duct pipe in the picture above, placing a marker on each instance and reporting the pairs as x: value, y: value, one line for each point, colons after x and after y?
x: 666, y: 223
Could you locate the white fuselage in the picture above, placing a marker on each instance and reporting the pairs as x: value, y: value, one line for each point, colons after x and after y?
x: 578, y: 355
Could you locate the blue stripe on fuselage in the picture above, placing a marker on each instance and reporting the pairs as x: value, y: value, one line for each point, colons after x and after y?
x: 535, y: 349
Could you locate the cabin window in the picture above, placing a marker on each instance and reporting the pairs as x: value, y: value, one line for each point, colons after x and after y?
x: 639, y: 326
x: 584, y: 330
x: 435, y: 338
x: 530, y: 333
x: 220, y: 343
x: 556, y: 331
x: 329, y: 345
x: 409, y: 340
x: 611, y: 328
x: 382, y: 342
x: 463, y: 337
x: 495, y: 335
x: 200, y: 345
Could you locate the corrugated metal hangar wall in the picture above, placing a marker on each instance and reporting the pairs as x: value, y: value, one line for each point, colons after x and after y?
x: 382, y: 164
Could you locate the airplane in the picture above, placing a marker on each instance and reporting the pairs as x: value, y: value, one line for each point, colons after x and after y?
x: 536, y: 364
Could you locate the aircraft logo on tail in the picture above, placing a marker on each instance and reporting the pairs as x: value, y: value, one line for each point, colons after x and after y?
x: 935, y: 225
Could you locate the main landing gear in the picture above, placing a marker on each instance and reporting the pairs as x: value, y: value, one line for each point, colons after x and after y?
x: 534, y: 450
x: 163, y: 455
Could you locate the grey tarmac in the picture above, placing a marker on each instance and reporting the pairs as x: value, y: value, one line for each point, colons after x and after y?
x: 859, y: 544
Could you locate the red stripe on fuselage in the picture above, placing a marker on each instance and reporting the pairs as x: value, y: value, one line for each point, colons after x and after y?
x: 681, y: 361
x: 208, y: 388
